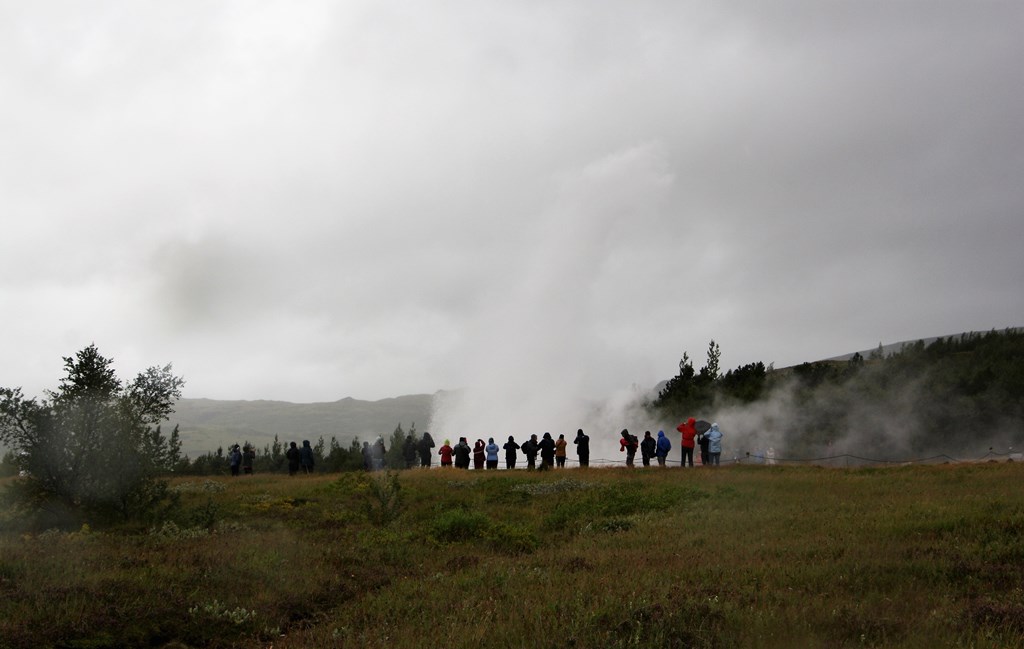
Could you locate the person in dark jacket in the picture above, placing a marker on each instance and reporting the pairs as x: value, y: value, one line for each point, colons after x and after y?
x: 426, y: 443
x: 582, y: 443
x: 530, y: 448
x: 647, y: 448
x: 689, y: 433
x: 703, y: 442
x: 547, y: 452
x: 479, y: 454
x: 248, y: 456
x: 510, y: 452
x: 462, y: 454
x: 292, y: 455
x: 377, y: 453
x: 409, y: 451
x: 629, y: 444
x: 306, y: 457
x: 664, y: 446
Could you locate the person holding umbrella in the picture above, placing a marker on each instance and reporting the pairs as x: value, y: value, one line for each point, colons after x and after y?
x: 703, y: 427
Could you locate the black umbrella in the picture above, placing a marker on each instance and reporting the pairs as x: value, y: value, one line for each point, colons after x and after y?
x: 702, y: 426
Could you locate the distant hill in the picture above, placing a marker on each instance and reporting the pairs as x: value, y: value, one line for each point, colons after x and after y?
x: 892, y: 348
x: 205, y: 424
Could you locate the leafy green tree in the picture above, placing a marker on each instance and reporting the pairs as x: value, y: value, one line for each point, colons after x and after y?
x: 94, y: 445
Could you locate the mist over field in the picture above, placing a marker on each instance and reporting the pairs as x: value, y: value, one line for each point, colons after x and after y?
x: 873, y: 417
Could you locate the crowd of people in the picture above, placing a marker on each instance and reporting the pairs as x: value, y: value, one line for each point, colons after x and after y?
x: 486, y: 455
x: 553, y: 453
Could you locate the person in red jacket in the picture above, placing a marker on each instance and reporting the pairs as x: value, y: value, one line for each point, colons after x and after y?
x: 479, y: 454
x: 689, y: 433
x: 446, y: 453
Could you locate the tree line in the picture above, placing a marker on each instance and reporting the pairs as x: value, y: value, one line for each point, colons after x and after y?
x: 955, y: 393
x: 330, y: 456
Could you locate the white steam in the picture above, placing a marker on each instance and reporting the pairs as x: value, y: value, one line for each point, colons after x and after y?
x: 536, y: 362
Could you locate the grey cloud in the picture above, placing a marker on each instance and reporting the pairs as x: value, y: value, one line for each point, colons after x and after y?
x: 373, y: 198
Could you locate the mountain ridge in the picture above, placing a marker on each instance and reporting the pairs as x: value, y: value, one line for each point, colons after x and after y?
x: 206, y: 424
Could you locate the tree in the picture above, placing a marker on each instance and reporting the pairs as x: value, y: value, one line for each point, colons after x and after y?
x: 94, y: 445
x: 712, y: 369
x: 689, y: 391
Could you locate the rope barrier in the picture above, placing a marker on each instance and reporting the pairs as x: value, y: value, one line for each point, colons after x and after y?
x: 776, y: 461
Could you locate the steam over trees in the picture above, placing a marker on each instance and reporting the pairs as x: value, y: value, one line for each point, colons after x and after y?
x: 956, y: 395
x: 94, y: 444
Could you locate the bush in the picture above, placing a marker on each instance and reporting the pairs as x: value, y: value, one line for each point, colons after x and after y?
x: 459, y: 525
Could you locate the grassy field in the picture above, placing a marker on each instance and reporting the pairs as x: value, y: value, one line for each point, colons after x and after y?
x: 741, y: 556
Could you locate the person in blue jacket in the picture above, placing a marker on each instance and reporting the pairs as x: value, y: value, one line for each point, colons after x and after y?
x: 492, y: 453
x: 235, y: 458
x: 714, y: 444
x: 664, y: 446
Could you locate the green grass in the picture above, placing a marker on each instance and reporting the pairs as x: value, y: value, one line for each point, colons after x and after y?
x: 926, y: 556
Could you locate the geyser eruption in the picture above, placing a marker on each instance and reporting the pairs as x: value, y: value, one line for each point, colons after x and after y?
x: 542, y: 357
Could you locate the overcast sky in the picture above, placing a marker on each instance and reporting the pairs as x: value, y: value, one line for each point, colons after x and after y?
x: 308, y: 201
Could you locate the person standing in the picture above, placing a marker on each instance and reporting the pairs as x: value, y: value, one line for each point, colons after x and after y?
x: 492, y: 454
x: 689, y: 433
x: 547, y: 451
x: 629, y: 444
x: 462, y: 454
x: 530, y: 448
x: 248, y: 456
x: 377, y: 454
x: 582, y: 443
x: 647, y: 448
x: 560, y: 445
x: 510, y: 452
x: 479, y: 454
x: 703, y: 441
x: 409, y: 451
x: 426, y: 455
x: 446, y: 454
x: 292, y: 455
x: 235, y: 459
x: 714, y: 444
x: 367, y: 457
x: 664, y: 446
x: 306, y: 457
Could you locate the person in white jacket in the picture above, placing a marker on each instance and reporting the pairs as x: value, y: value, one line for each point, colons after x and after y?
x: 714, y: 444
